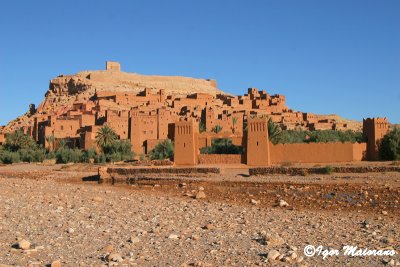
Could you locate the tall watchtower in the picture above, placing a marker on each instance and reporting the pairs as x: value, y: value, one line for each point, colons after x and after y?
x: 257, y: 151
x: 185, y: 151
x: 374, y: 129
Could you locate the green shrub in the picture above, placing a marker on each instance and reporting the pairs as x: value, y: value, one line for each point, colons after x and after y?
x: 328, y: 169
x: 118, y: 150
x: 390, y: 145
x: 37, y: 154
x: 18, y: 140
x: 163, y: 150
x: 88, y: 154
x: 9, y: 157
x: 221, y: 146
x: 67, y: 155
x: 101, y: 158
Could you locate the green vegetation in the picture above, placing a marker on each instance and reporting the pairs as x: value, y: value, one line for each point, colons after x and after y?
x: 221, y: 146
x: 320, y: 136
x: 217, y: 129
x: 112, y: 148
x: 234, y: 122
x: 105, y: 136
x: 274, y: 132
x: 21, y: 147
x: 328, y: 169
x: 163, y: 150
x: 276, y: 135
x: 390, y: 146
x: 202, y: 127
x: 66, y: 155
x: 119, y: 150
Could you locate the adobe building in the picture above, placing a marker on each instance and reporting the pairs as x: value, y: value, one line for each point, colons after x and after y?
x: 2, y: 139
x: 260, y: 152
x: 146, y: 110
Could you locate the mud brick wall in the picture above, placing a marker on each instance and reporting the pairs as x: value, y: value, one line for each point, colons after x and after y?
x: 220, y: 158
x: 320, y: 170
x: 317, y: 152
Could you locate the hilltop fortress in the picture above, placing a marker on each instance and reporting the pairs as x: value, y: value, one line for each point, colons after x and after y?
x: 145, y: 109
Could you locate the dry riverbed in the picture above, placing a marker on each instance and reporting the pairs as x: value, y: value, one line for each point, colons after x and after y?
x: 70, y: 220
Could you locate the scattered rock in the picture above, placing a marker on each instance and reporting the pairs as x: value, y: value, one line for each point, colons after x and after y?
x: 173, y: 236
x: 273, y: 254
x: 97, y: 199
x: 254, y: 202
x: 24, y: 244
x: 282, y: 203
x: 384, y: 212
x: 56, y: 263
x: 134, y: 239
x: 108, y: 248
x: 209, y: 226
x: 271, y: 239
x: 115, y: 257
x: 70, y: 231
x: 200, y: 195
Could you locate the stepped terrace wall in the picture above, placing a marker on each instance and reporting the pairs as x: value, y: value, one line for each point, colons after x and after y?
x: 220, y: 158
x: 317, y: 152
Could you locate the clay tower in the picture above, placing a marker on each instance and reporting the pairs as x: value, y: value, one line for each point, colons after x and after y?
x: 374, y: 129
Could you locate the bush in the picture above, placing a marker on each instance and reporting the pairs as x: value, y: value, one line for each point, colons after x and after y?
x: 9, y: 157
x: 163, y: 150
x: 118, y: 150
x: 328, y: 169
x: 89, y: 154
x: 390, y: 145
x: 37, y: 154
x: 221, y: 146
x: 101, y: 158
x: 66, y: 155
x: 21, y: 147
x: 18, y: 140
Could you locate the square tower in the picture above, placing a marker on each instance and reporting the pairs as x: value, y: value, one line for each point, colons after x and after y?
x: 257, y: 151
x: 185, y: 150
x: 374, y: 129
x: 113, y: 66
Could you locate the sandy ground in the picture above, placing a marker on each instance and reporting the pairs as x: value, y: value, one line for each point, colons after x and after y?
x: 68, y: 217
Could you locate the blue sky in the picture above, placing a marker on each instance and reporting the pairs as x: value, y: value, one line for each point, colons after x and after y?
x: 339, y: 56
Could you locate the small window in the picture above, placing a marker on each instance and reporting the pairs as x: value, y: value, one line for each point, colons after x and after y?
x: 184, y: 144
x: 257, y: 143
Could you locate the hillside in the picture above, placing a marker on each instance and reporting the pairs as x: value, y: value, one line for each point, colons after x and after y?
x: 65, y: 90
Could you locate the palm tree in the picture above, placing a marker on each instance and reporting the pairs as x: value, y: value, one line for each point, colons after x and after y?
x: 274, y: 131
x: 105, y: 136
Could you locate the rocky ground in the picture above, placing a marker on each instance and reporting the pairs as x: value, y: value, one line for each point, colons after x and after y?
x: 68, y: 219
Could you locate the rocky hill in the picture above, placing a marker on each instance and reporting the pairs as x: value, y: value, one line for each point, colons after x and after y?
x: 64, y: 90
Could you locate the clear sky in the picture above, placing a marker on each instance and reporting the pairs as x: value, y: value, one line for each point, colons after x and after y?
x: 339, y: 56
